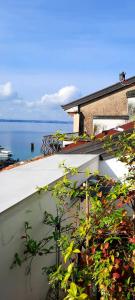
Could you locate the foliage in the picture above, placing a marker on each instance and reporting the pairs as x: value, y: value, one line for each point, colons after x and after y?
x: 75, y: 293
x: 97, y: 244
x: 108, y: 259
x: 123, y: 145
x: 73, y: 137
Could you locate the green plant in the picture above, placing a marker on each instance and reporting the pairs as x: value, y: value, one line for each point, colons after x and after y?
x: 98, y: 245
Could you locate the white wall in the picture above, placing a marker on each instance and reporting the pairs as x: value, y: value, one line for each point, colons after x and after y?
x: 131, y: 101
x: 105, y: 124
x: 65, y: 143
x: 113, y: 168
x: 76, y: 122
x: 14, y: 284
x: 116, y: 170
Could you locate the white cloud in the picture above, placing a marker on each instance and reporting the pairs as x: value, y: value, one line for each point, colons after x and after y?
x: 47, y: 106
x: 62, y: 96
x: 7, y: 92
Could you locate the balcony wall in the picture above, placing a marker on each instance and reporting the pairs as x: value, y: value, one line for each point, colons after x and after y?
x: 113, y: 168
x: 20, y: 202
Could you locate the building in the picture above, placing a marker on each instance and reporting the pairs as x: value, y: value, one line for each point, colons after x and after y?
x: 104, y: 109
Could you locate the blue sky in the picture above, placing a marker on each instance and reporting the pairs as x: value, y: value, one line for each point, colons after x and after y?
x: 54, y: 51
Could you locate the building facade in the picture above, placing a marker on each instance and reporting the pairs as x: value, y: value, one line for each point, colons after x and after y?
x: 105, y: 109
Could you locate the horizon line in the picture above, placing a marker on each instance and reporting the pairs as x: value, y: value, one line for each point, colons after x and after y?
x: 34, y: 121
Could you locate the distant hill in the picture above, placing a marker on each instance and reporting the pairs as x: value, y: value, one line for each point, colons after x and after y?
x: 36, y: 121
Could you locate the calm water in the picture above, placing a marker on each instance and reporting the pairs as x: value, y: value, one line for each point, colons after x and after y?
x: 18, y: 136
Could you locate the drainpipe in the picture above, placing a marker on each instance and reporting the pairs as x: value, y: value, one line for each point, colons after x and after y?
x: 81, y: 123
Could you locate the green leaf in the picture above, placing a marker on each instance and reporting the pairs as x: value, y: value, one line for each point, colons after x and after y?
x: 128, y: 281
x: 73, y: 289
x: 76, y: 251
x: 87, y: 172
x: 70, y: 267
x: 69, y: 251
x: 83, y: 296
x: 46, y: 187
x: 66, y: 257
x: 112, y: 258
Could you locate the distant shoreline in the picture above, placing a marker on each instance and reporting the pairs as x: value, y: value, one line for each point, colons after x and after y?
x: 35, y: 121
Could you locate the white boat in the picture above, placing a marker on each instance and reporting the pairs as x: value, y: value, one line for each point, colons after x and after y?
x: 5, y: 154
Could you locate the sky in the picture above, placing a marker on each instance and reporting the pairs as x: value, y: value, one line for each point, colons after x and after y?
x: 52, y: 52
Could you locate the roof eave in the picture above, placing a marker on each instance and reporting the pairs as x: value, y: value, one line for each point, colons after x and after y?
x: 101, y: 93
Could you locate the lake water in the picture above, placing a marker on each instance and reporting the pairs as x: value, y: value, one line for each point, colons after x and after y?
x: 18, y: 137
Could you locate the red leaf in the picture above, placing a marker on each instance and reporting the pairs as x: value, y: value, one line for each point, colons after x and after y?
x: 132, y: 240
x: 116, y: 275
x: 106, y: 246
x: 120, y: 204
x: 117, y: 260
x: 93, y: 249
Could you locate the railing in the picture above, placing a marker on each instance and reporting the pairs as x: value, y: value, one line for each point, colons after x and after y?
x: 53, y: 144
x: 70, y: 135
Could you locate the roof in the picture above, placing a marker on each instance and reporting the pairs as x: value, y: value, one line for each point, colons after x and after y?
x: 126, y: 127
x: 96, y: 146
x: 101, y: 93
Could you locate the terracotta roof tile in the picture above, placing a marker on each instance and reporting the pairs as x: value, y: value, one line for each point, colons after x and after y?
x: 96, y: 145
x: 112, y: 131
